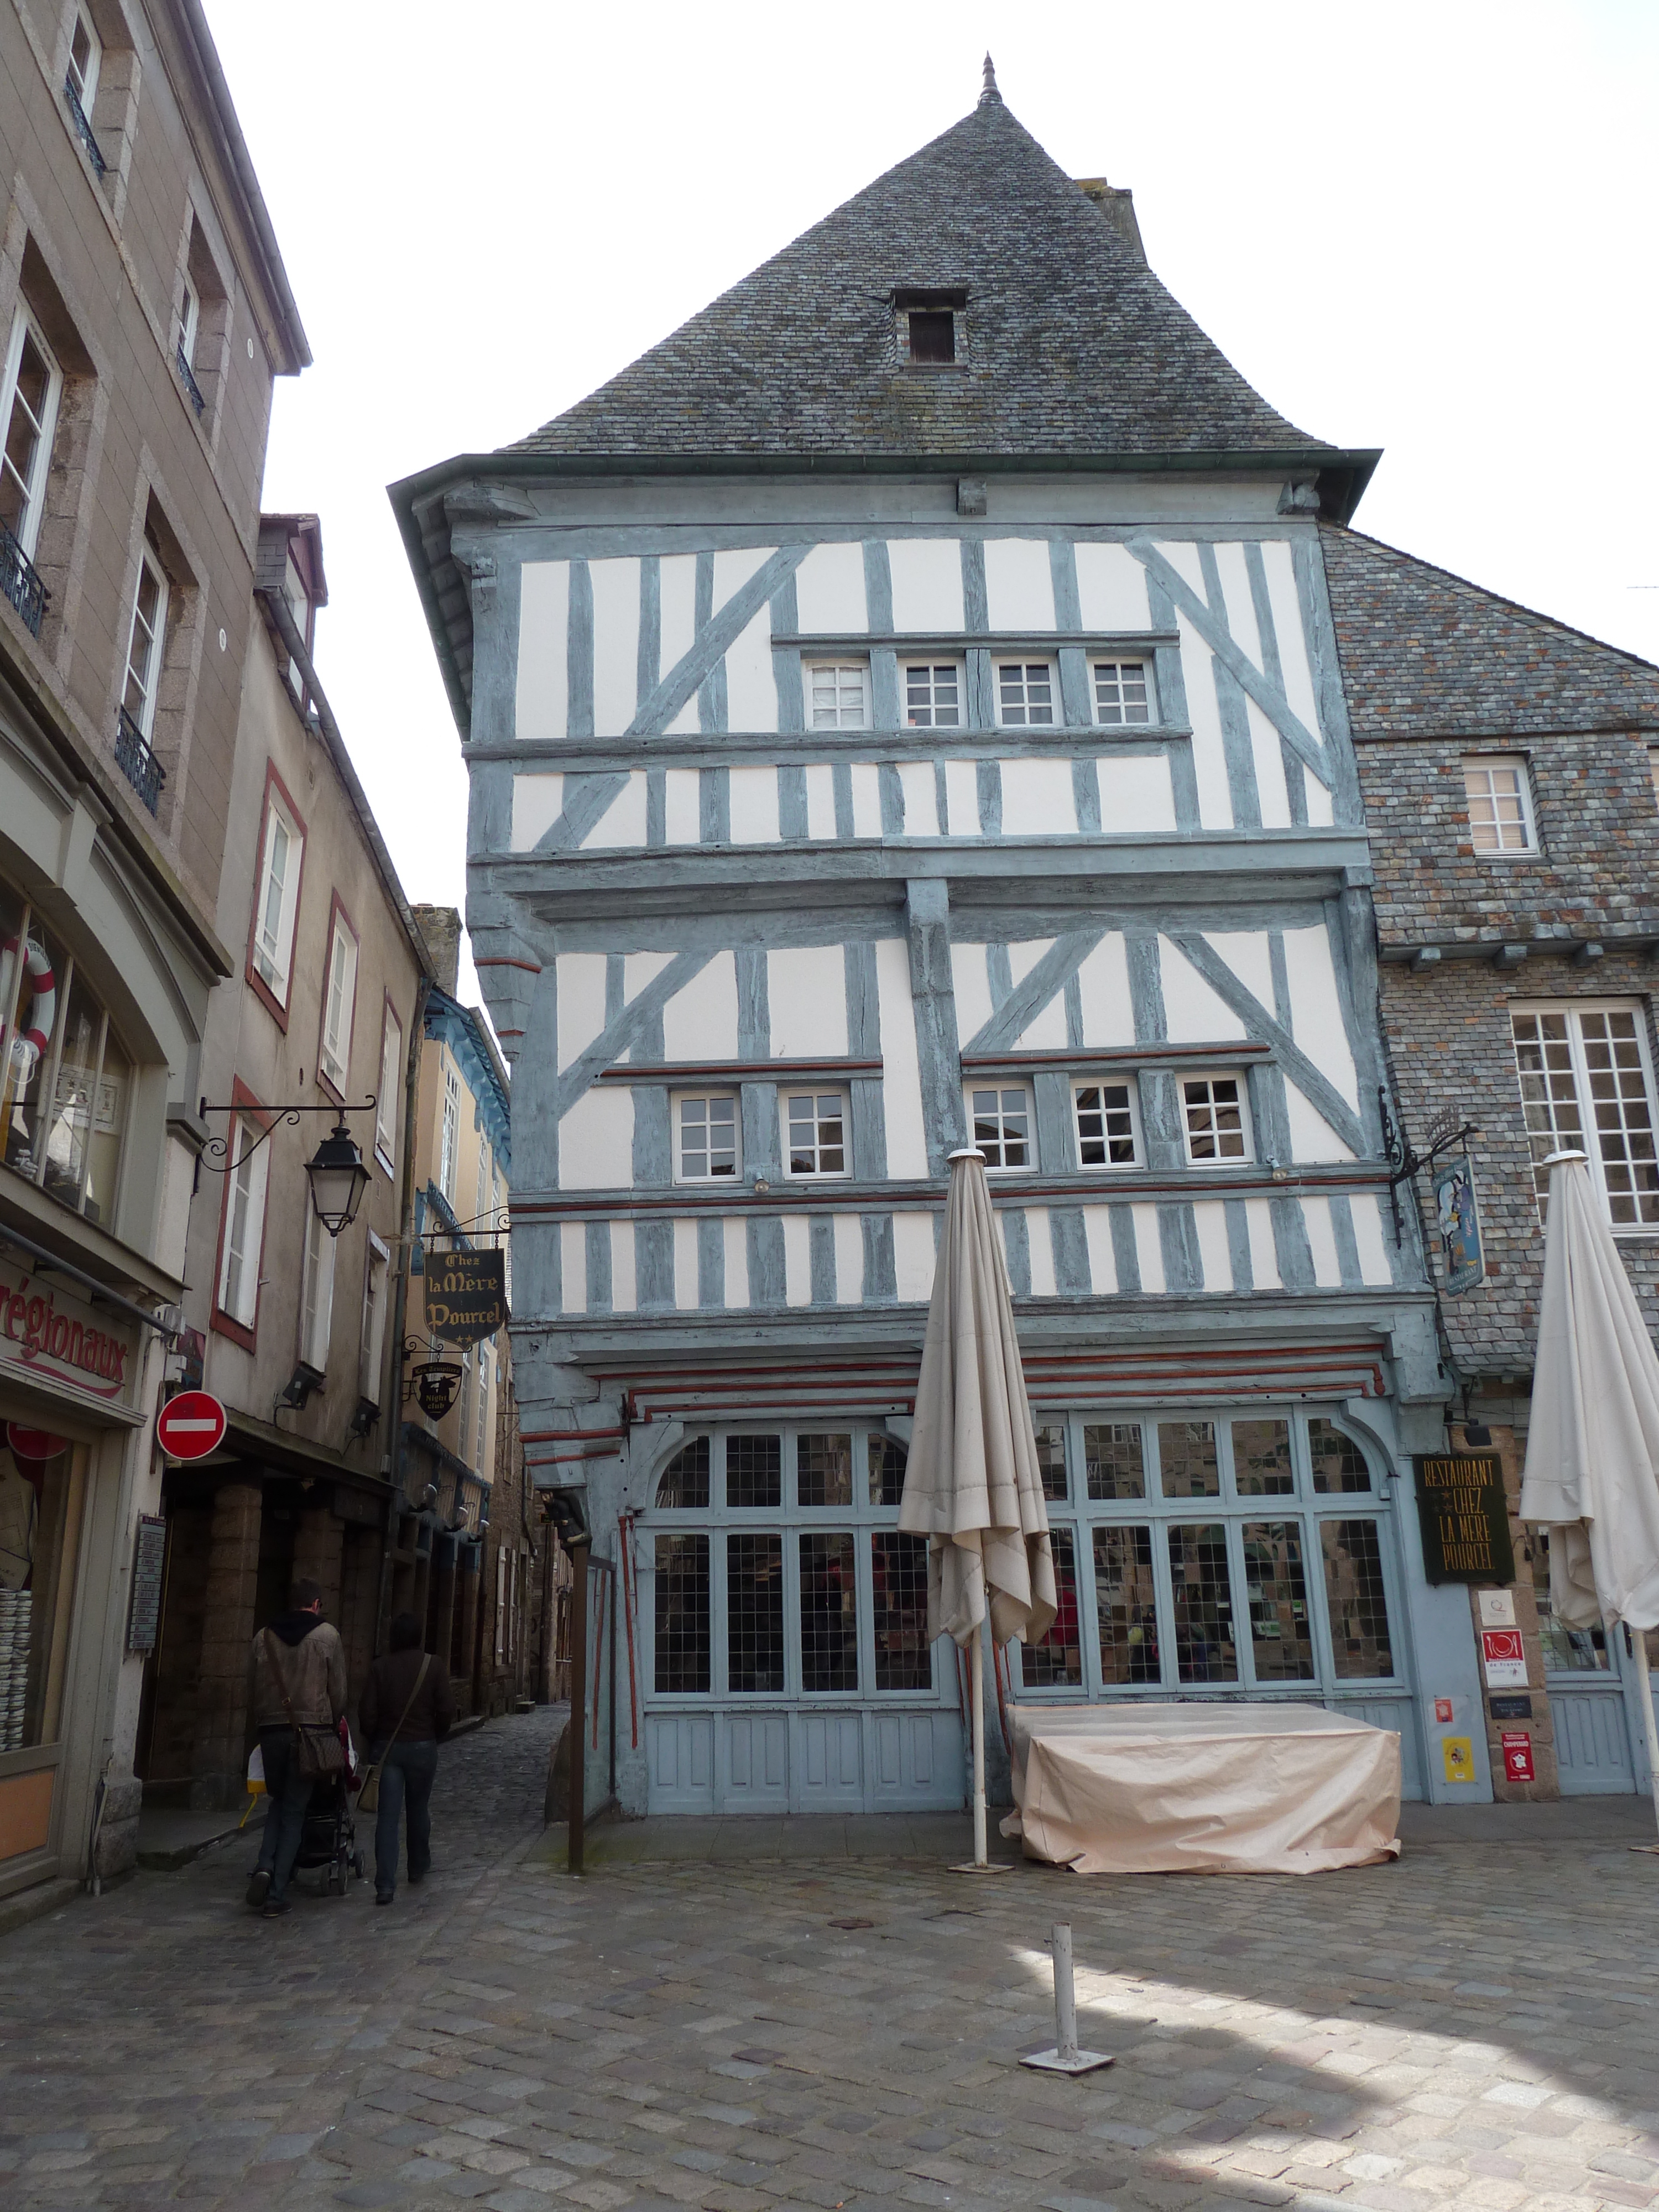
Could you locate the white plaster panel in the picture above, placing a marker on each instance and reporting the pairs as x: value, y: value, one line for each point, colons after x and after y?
x: 700, y: 1021
x: 1240, y: 608
x: 912, y: 1256
x: 751, y: 691
x: 1312, y: 1137
x: 1247, y: 953
x: 1182, y: 556
x: 624, y: 1296
x: 686, y: 722
x: 623, y: 821
x: 1136, y: 794
x: 573, y: 1265
x: 1267, y: 751
x: 1019, y: 590
x: 1046, y: 1030
x: 1040, y: 1242
x: 1038, y: 799
x: 1112, y: 588
x: 867, y: 799
x: 1097, y: 1235
x: 1103, y: 987
x: 926, y: 574
x: 961, y: 797
x: 735, y: 1238
x: 1321, y: 1242
x: 849, y: 1232
x: 1373, y: 1231
x: 1264, y: 1255
x: 796, y: 1261
x: 1194, y: 1014
x: 920, y: 790
x: 829, y: 589
x: 806, y: 990
x: 971, y: 984
x: 681, y: 807
x: 1148, y: 1250
x: 1215, y: 805
x: 616, y: 587
x: 907, y: 1136
x: 1316, y: 1009
x: 820, y: 800
x: 640, y: 969
x: 754, y: 800
x: 677, y: 599
x: 733, y: 570
x: 537, y: 803
x: 1319, y: 802
x: 596, y: 1140
x: 685, y: 1267
x: 580, y: 981
x: 1210, y: 1221
x: 541, y: 705
x: 1283, y: 598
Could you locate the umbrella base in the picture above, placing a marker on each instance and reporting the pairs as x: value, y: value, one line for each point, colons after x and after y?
x: 978, y: 1866
x: 1067, y: 2061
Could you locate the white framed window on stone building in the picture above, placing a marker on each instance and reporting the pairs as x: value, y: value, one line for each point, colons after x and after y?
x: 391, y: 1076
x: 1587, y: 1085
x: 1000, y: 1125
x: 316, y: 1293
x: 481, y: 1443
x: 838, y: 694
x: 371, y: 1349
x: 146, y: 641
x: 277, y: 901
x: 449, y: 1139
x: 1106, y: 1124
x: 933, y: 692
x: 339, y: 1003
x: 1215, y: 1120
x: 1499, y: 789
x: 29, y: 408
x: 1026, y: 692
x: 707, y: 1139
x: 1122, y: 692
x: 815, y: 1131
x: 86, y: 59
x: 242, y: 1228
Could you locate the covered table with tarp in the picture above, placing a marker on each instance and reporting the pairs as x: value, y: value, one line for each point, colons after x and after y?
x: 1203, y: 1789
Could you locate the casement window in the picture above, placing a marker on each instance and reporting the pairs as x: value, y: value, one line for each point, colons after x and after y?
x: 1587, y: 1086
x: 706, y: 1147
x: 1025, y: 694
x: 372, y: 1342
x: 339, y: 1003
x: 1106, y: 1124
x: 838, y: 693
x: 28, y: 407
x: 86, y: 58
x: 933, y: 695
x: 816, y: 1122
x: 1215, y: 1120
x: 449, y: 1142
x: 385, y: 1104
x: 276, y: 904
x: 1500, y: 794
x: 189, y: 322
x: 481, y: 1443
x: 999, y: 1121
x: 933, y: 334
x: 316, y: 1293
x: 480, y: 1180
x: 1124, y: 692
x: 244, y: 1230
x: 146, y: 642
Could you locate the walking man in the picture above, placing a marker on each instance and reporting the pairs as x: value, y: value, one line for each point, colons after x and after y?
x: 406, y: 1713
x: 296, y: 1675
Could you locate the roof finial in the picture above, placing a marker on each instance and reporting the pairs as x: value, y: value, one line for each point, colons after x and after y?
x: 989, y: 89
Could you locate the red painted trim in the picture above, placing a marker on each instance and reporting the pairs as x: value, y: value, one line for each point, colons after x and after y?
x: 337, y: 907
x: 275, y: 1007
x: 244, y: 1105
x: 735, y: 1071
x: 501, y: 960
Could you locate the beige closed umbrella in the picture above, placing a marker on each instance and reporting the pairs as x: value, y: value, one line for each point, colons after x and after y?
x: 971, y: 1485
x: 1592, y: 1476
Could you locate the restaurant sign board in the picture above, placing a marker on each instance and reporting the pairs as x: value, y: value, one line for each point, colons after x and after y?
x: 51, y: 1338
x: 465, y: 1295
x: 1463, y: 1512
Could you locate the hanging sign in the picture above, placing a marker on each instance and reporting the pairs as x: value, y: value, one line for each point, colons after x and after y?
x: 1464, y: 1514
x: 1457, y: 1224
x: 465, y: 1295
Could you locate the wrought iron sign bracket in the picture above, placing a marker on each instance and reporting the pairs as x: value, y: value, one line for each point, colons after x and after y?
x: 281, y: 1117
x: 1405, y: 1161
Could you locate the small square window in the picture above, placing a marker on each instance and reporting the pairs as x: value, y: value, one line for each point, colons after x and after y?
x: 1500, y: 794
x: 1124, y: 692
x: 933, y: 334
x: 1025, y: 694
x: 1001, y: 1123
x: 1105, y: 1125
x: 933, y: 695
x: 839, y: 695
x: 1216, y: 1120
x: 818, y: 1132
x: 707, y: 1126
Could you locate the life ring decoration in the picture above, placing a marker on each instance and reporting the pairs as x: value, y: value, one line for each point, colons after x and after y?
x: 32, y: 1037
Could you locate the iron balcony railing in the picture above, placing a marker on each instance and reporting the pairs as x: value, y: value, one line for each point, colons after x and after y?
x: 139, y: 763
x: 191, y: 386
x: 21, y: 581
x: 84, y: 128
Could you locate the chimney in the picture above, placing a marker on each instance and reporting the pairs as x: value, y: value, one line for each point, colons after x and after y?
x: 440, y: 928
x: 1117, y: 204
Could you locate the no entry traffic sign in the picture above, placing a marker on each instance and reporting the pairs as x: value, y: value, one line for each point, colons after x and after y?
x: 191, y: 1425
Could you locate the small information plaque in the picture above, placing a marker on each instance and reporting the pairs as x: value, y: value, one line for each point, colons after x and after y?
x: 150, y: 1559
x: 1465, y: 1517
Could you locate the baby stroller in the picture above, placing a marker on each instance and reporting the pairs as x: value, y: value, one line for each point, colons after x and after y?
x: 328, y: 1842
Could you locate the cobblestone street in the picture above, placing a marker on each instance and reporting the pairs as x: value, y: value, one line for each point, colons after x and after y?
x: 1474, y: 2027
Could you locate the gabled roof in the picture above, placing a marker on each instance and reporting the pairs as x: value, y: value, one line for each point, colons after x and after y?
x: 1426, y: 653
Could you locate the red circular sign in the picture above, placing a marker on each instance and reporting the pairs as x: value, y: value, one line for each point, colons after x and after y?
x: 191, y: 1425
x: 33, y: 1444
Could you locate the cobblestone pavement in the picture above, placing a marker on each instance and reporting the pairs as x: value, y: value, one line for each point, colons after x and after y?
x: 1474, y: 2027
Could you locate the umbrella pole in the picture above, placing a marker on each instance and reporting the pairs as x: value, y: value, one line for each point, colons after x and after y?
x: 1644, y: 1690
x: 979, y: 1863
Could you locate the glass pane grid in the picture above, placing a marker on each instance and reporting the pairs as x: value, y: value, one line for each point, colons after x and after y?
x: 899, y: 1585
x: 754, y: 1614
x: 933, y: 696
x: 1261, y: 1459
x: 684, y: 1481
x: 817, y: 1141
x: 1281, y: 1640
x: 1051, y: 1459
x: 1125, y: 1606
x: 1120, y: 694
x: 1025, y: 694
x: 1496, y: 791
x: 1188, y: 1463
x: 887, y: 1463
x: 1114, y: 1460
x: 682, y: 1614
x: 754, y: 1471
x: 1002, y: 1127
x: 829, y: 1614
x: 823, y: 1469
x: 1360, y: 1642
x: 1105, y: 1126
x: 839, y: 696
x: 1206, y: 1650
x: 709, y: 1136
x: 1057, y: 1661
x: 1214, y: 1115
x: 1338, y: 1462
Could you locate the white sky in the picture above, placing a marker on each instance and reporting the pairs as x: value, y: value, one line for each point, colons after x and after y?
x: 1430, y: 229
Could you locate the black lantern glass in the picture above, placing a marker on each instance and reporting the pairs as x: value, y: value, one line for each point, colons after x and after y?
x: 339, y: 1179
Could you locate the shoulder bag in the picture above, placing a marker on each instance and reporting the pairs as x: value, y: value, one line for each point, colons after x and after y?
x: 369, y: 1797
x: 318, y: 1750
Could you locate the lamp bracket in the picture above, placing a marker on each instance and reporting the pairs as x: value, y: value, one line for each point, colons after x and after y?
x: 1404, y: 1161
x: 215, y: 1155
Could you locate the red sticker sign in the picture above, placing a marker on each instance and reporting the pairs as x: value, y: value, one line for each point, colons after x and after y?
x: 191, y: 1425
x: 1517, y: 1756
x: 33, y: 1444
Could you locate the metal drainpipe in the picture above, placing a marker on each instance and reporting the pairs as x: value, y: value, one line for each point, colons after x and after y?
x: 400, y: 1304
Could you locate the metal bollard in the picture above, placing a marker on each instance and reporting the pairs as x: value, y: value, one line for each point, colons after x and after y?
x: 1064, y: 2057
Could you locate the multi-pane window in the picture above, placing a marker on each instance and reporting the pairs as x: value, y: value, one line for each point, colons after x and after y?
x: 371, y: 1341
x: 999, y: 1120
x: 339, y: 1004
x: 86, y: 56
x: 189, y: 321
x: 933, y: 695
x: 29, y: 408
x: 316, y: 1293
x: 1586, y: 1086
x: 449, y: 1138
x: 391, y: 1076
x: 244, y: 1229
x: 277, y: 898
x: 1122, y: 692
x: 706, y: 1130
x: 818, y: 1132
x: 838, y: 694
x: 146, y: 643
x: 1214, y: 1119
x: 1500, y: 794
x: 1050, y: 1437
x: 1057, y: 1657
x: 1025, y: 694
x: 1105, y: 1125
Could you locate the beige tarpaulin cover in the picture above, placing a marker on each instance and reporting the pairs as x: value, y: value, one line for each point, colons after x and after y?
x: 971, y: 1483
x: 1209, y: 1788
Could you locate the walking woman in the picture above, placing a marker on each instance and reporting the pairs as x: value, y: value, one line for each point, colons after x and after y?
x: 406, y: 1713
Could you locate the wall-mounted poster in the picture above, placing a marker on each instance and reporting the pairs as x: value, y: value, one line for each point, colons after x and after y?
x: 1457, y: 1224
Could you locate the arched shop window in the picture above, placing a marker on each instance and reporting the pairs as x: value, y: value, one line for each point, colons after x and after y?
x: 65, y: 1082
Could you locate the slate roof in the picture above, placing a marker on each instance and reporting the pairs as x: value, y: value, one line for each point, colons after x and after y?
x: 1426, y: 653
x: 1073, y: 346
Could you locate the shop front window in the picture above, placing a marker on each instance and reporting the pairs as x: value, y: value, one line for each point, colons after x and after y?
x: 41, y: 1482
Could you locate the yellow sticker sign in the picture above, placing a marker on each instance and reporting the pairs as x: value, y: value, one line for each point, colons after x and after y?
x: 1459, y: 1754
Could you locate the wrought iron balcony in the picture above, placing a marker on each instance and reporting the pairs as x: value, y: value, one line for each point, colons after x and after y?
x: 21, y: 583
x: 190, y: 384
x: 83, y: 128
x: 139, y: 763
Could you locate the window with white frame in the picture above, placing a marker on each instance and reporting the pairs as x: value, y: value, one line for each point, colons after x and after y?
x: 1214, y: 1119
x: 244, y: 1225
x: 339, y: 1003
x: 372, y: 1343
x: 480, y: 1445
x: 316, y: 1293
x: 1025, y: 694
x: 391, y: 1076
x: 1587, y: 1085
x: 146, y: 642
x: 278, y: 901
x: 86, y: 56
x: 1500, y: 794
x: 838, y: 694
x: 706, y: 1133
x: 933, y: 695
x: 189, y: 321
x: 1124, y: 692
x: 816, y: 1123
x: 1106, y: 1124
x: 480, y: 1181
x: 999, y: 1123
x: 28, y: 408
x: 449, y: 1141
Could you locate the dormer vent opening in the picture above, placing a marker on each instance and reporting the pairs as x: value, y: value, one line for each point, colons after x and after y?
x: 931, y: 328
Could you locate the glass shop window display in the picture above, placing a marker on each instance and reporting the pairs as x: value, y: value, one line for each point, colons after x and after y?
x: 40, y: 1498
x: 64, y: 1079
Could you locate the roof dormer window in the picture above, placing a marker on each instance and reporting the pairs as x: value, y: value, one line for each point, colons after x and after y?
x: 932, y: 328
x: 933, y: 334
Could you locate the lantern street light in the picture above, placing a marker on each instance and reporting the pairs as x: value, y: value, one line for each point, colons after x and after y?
x: 338, y: 1179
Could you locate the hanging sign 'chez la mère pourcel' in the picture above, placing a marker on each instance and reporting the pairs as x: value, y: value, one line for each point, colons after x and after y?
x: 465, y: 1295
x: 1464, y: 1514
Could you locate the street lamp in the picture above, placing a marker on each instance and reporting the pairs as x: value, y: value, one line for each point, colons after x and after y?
x: 338, y: 1178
